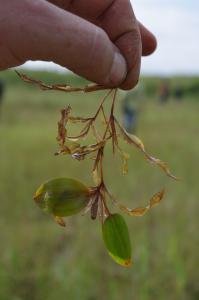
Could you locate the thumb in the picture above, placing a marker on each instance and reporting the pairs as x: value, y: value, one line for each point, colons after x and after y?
x: 43, y: 31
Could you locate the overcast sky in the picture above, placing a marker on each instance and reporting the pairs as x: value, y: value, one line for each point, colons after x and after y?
x: 176, y: 26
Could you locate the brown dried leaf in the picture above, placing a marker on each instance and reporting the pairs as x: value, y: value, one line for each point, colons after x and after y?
x: 140, y: 211
x: 137, y: 212
x: 155, y: 200
x: 133, y: 139
x: 162, y: 165
x: 125, y: 157
x: 62, y: 132
x: 137, y: 142
x: 94, y: 147
x: 79, y: 152
x: 130, y: 138
x: 60, y: 87
x: 70, y: 148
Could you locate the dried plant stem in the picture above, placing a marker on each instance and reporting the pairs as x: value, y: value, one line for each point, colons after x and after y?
x: 113, y: 131
x: 101, y: 104
x: 63, y: 88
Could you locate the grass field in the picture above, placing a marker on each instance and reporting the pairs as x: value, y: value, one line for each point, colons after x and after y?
x: 40, y: 260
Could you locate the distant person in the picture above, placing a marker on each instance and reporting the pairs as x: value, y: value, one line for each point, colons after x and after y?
x: 164, y: 92
x: 178, y: 93
x: 130, y: 109
x: 99, y: 40
x: 129, y: 115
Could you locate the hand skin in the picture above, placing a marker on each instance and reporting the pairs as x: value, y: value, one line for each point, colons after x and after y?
x: 99, y: 40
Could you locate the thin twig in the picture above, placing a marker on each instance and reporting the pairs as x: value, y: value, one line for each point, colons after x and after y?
x: 63, y: 88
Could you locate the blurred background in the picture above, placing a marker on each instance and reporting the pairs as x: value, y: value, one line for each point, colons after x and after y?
x: 40, y: 260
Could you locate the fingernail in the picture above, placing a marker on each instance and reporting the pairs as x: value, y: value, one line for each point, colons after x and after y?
x: 118, y: 71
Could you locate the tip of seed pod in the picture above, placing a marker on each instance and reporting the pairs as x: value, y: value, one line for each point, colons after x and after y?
x: 36, y: 198
x: 38, y: 193
x: 127, y: 263
x: 59, y: 221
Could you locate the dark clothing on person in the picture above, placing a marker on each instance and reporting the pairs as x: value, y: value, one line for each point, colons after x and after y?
x: 130, y: 111
x: 130, y: 119
x: 178, y: 93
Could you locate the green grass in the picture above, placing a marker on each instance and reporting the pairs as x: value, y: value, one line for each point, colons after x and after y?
x: 40, y: 260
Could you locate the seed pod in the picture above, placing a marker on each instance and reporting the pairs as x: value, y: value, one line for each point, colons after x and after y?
x: 62, y: 197
x: 116, y: 238
x: 94, y: 207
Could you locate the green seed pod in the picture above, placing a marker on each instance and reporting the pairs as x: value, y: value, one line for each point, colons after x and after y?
x: 62, y: 197
x: 116, y: 238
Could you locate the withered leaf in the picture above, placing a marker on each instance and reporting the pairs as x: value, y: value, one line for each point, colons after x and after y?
x: 130, y: 138
x: 162, y: 165
x: 133, y: 139
x: 79, y: 152
x: 70, y: 148
x: 125, y: 157
x: 61, y: 87
x: 140, y: 211
x: 62, y: 132
x: 156, y: 198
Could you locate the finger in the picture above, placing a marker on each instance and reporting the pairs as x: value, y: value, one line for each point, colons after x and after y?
x: 46, y: 32
x: 149, y: 42
x: 122, y: 28
x: 93, y: 10
x: 116, y: 17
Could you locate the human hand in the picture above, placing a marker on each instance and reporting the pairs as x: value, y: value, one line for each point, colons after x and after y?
x: 99, y: 40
